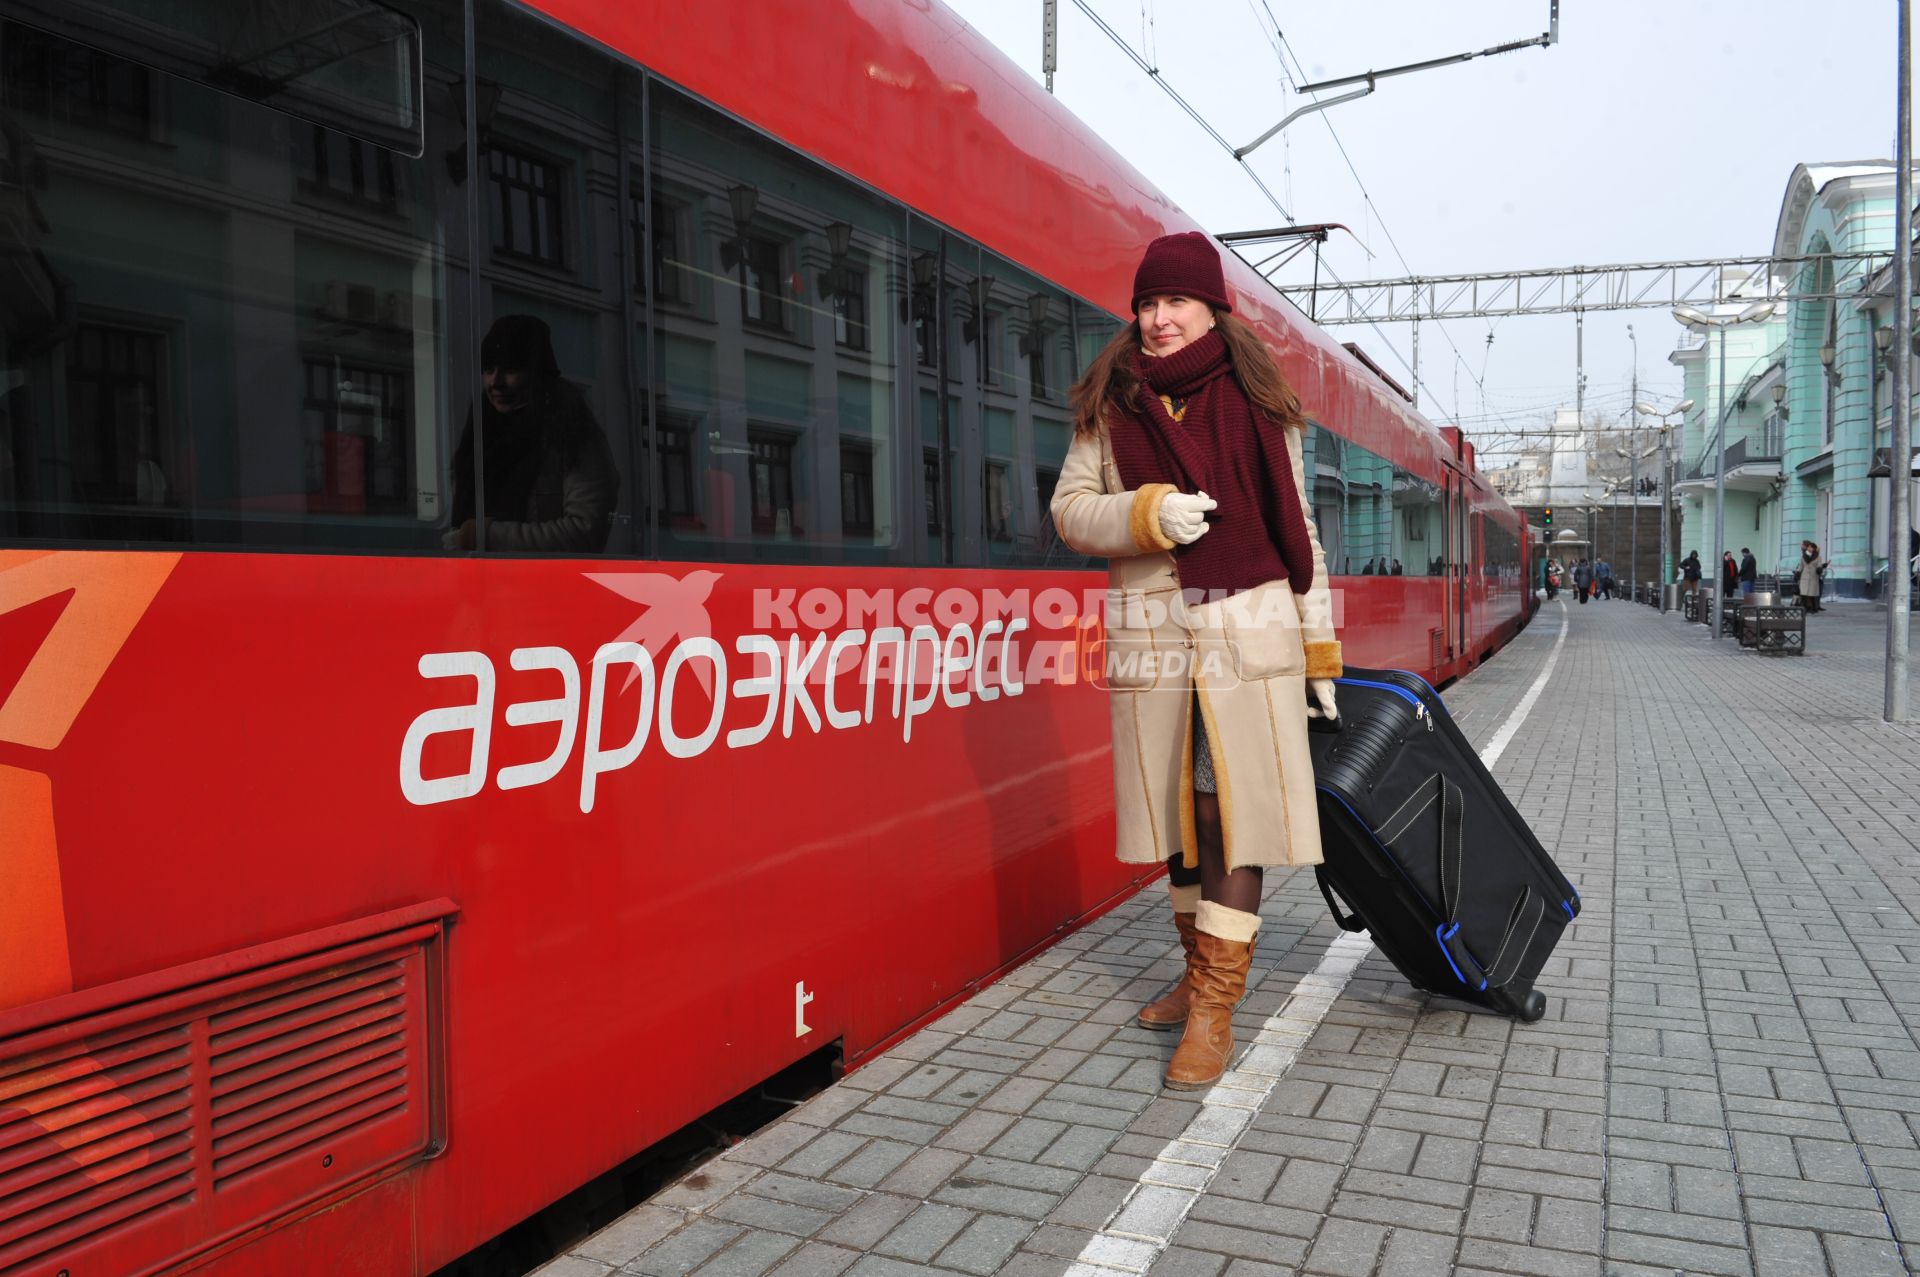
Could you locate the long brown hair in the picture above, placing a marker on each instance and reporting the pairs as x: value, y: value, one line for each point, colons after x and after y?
x: 1110, y: 385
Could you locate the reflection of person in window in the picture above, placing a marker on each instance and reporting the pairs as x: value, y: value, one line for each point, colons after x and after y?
x: 551, y: 483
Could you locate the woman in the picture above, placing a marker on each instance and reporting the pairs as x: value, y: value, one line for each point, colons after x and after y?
x: 1185, y: 472
x: 1812, y: 569
x: 551, y: 481
x: 1729, y: 575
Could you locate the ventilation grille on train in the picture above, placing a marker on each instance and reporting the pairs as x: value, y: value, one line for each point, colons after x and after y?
x: 1437, y: 645
x: 320, y: 1058
x: 93, y: 1138
x: 162, y: 1115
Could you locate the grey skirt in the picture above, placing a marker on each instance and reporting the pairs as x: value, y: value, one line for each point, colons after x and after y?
x: 1203, y: 782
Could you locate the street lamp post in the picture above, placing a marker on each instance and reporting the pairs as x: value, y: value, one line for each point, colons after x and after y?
x: 1633, y: 491
x: 1720, y: 323
x: 1633, y: 438
x: 1666, y: 484
x: 1900, y: 483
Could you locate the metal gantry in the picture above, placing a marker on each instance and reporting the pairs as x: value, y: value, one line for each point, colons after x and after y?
x: 1561, y: 290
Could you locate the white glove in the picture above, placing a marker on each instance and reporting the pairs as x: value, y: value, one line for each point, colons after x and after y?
x: 1183, y: 518
x: 1321, y: 689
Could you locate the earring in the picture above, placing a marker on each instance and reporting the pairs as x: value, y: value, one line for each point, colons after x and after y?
x: 1210, y: 325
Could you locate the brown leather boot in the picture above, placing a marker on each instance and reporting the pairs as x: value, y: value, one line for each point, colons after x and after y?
x: 1218, y: 972
x: 1170, y: 1011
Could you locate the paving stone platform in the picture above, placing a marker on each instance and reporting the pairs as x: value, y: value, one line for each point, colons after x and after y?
x: 1727, y: 1080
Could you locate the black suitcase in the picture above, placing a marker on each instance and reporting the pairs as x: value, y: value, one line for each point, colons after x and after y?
x: 1426, y: 851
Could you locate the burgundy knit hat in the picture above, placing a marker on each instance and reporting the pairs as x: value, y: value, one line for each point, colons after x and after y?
x: 1187, y: 264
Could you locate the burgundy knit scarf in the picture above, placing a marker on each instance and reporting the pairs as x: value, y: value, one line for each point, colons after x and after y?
x: 1226, y: 447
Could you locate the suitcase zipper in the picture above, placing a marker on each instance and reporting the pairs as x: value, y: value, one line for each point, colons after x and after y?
x: 1419, y: 706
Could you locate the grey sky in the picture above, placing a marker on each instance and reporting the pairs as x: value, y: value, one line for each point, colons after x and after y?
x: 1655, y: 129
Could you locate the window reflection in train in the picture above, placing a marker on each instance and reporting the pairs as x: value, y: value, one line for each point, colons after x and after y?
x: 231, y: 325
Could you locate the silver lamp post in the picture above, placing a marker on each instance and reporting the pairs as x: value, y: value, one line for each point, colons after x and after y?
x: 1666, y: 483
x: 1720, y: 323
x: 1900, y: 484
x: 1633, y: 439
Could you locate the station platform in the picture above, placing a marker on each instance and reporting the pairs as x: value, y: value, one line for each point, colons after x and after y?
x: 1727, y: 1080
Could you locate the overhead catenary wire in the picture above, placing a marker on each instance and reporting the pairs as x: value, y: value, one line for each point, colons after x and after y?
x: 1153, y: 73
x: 1286, y: 48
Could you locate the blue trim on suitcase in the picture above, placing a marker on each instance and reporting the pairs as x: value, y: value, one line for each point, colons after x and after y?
x: 1444, y: 933
x: 1440, y: 935
x: 1401, y: 692
x: 1395, y: 688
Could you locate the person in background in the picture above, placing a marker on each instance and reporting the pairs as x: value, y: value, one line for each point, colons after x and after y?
x: 1603, y: 572
x: 1582, y: 579
x: 1729, y: 575
x: 1813, y: 569
x: 1690, y: 571
x: 551, y: 481
x: 1749, y: 571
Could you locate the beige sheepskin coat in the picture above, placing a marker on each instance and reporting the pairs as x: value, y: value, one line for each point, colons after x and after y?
x: 1247, y: 657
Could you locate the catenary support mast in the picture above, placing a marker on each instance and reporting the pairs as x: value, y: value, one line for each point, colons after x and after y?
x: 1900, y: 478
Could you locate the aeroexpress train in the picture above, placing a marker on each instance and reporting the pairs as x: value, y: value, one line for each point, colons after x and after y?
x: 377, y: 870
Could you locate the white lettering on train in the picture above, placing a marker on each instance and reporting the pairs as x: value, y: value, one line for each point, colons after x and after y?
x: 801, y: 683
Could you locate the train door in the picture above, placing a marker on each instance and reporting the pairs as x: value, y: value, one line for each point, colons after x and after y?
x: 1458, y: 563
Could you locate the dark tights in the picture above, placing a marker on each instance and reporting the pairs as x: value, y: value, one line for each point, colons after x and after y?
x: 1239, y: 889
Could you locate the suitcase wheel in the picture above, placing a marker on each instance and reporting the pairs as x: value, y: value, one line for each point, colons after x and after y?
x: 1531, y: 1007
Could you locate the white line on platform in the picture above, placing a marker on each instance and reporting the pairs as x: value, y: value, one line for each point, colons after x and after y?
x: 1510, y: 728
x: 1142, y: 1229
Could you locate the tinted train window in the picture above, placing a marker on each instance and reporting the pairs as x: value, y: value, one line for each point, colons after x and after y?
x: 1419, y: 547
x: 778, y: 319
x: 223, y: 323
x: 1028, y: 424
x: 550, y: 423
x: 351, y: 65
x: 1501, y: 550
x: 1374, y: 518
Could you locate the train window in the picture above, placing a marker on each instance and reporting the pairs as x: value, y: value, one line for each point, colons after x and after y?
x: 353, y: 66
x: 56, y: 78
x: 1374, y: 518
x: 1000, y: 513
x: 224, y: 325
x: 555, y: 412
x: 1320, y: 456
x: 1419, y: 547
x: 1364, y: 482
x: 1092, y: 329
x: 933, y: 496
x: 1025, y: 419
x: 776, y: 352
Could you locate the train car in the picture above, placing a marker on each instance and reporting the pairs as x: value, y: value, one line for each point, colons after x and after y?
x: 526, y: 599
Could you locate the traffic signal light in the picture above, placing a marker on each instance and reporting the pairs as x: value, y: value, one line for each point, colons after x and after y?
x: 1546, y: 517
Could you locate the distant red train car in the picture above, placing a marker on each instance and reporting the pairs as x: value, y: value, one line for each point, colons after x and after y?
x: 379, y: 868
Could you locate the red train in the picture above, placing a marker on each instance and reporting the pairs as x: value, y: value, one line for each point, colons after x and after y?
x: 365, y: 894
